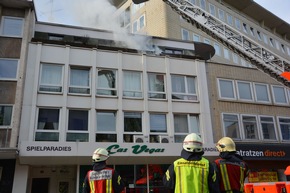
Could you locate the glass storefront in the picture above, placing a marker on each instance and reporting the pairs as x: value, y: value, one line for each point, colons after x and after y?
x: 138, y: 178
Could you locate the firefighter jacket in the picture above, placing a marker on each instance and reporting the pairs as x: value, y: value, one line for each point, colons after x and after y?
x: 232, y: 171
x: 103, y: 180
x: 191, y: 173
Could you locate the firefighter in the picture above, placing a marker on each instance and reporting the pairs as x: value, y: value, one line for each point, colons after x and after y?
x: 232, y: 170
x: 102, y: 179
x: 192, y: 172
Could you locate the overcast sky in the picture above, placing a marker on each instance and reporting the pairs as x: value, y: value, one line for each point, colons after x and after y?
x: 61, y: 11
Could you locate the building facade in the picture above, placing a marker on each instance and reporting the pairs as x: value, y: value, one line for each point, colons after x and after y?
x: 16, y: 20
x: 245, y: 103
x: 83, y: 93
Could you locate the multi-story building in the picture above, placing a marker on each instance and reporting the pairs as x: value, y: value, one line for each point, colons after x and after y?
x: 16, y: 20
x: 246, y: 104
x: 83, y: 92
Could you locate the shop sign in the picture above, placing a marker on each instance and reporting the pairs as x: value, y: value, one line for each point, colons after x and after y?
x: 263, y: 177
x: 264, y: 151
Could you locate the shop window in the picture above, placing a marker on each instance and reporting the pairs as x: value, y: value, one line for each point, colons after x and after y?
x: 77, y: 126
x: 279, y: 94
x: 47, y: 125
x: 244, y: 90
x: 51, y: 78
x: 106, y: 126
x: 226, y: 89
x: 11, y: 26
x: 268, y: 128
x: 231, y: 125
x: 132, y: 86
x: 8, y: 69
x: 262, y: 93
x: 79, y: 80
x: 184, y: 88
x: 184, y: 124
x: 284, y: 124
x: 106, y: 82
x: 132, y: 126
x: 185, y: 34
x: 250, y: 127
x: 156, y: 86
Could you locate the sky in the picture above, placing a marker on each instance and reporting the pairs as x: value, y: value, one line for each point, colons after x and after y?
x: 79, y: 12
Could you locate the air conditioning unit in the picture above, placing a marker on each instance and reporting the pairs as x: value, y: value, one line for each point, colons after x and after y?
x: 165, y: 139
x: 140, y: 139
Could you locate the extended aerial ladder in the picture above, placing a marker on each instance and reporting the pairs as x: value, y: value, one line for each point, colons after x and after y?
x: 264, y: 59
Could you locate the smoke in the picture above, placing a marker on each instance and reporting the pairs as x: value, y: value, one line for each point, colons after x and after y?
x: 99, y: 14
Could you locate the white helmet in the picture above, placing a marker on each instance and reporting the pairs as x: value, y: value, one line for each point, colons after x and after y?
x: 192, y: 143
x: 100, y: 154
x: 226, y: 144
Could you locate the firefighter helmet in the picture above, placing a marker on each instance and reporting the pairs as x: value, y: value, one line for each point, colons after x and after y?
x: 100, y: 154
x: 226, y: 144
x: 192, y: 143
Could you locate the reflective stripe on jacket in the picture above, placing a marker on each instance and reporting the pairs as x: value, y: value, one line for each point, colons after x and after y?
x: 232, y: 174
x: 101, y: 181
x: 191, y: 176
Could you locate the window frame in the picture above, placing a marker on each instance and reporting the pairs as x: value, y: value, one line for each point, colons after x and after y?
x: 238, y: 91
x: 6, y: 63
x: 238, y: 130
x: 140, y: 84
x: 111, y: 134
x: 257, y: 133
x: 11, y: 116
x: 79, y: 132
x: 113, y: 90
x: 233, y: 89
x: 279, y: 126
x: 186, y: 96
x: 70, y: 86
x: 179, y: 136
x: 185, y: 34
x: 2, y: 27
x: 284, y: 93
x: 150, y: 92
x: 256, y: 93
x: 261, y: 127
x: 164, y: 115
x: 48, y: 85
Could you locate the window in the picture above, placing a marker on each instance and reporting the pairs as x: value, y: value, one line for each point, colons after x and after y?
x: 132, y: 84
x: 135, y: 27
x: 132, y: 125
x: 277, y: 45
x: 283, y: 48
x: 185, y: 34
x: 221, y: 15
x: 207, y: 41
x: 51, y: 78
x: 184, y: 124
x: 231, y: 126
x: 279, y: 95
x: 245, y: 28
x: 226, y: 89
x: 8, y: 69
x: 158, y: 123
x: 203, y: 4
x: 106, y: 126
x: 141, y: 21
x: 217, y: 49
x: 136, y: 7
x: 261, y: 93
x: 250, y: 127
x: 226, y: 53
x: 284, y: 124
x: 268, y: 128
x: 139, y: 24
x: 5, y: 115
x: 212, y: 9
x: 272, y: 41
x: 79, y: 80
x: 12, y: 26
x: 244, y: 90
x: 260, y: 36
x: 132, y: 122
x: 252, y: 31
x: 235, y: 58
x: 196, y: 38
x: 230, y: 19
x: 192, y: 2
x: 238, y: 23
x: 78, y: 126
x: 156, y: 86
x: 106, y: 82
x: 265, y: 38
x: 47, y: 125
x: 183, y: 87
x: 125, y: 18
